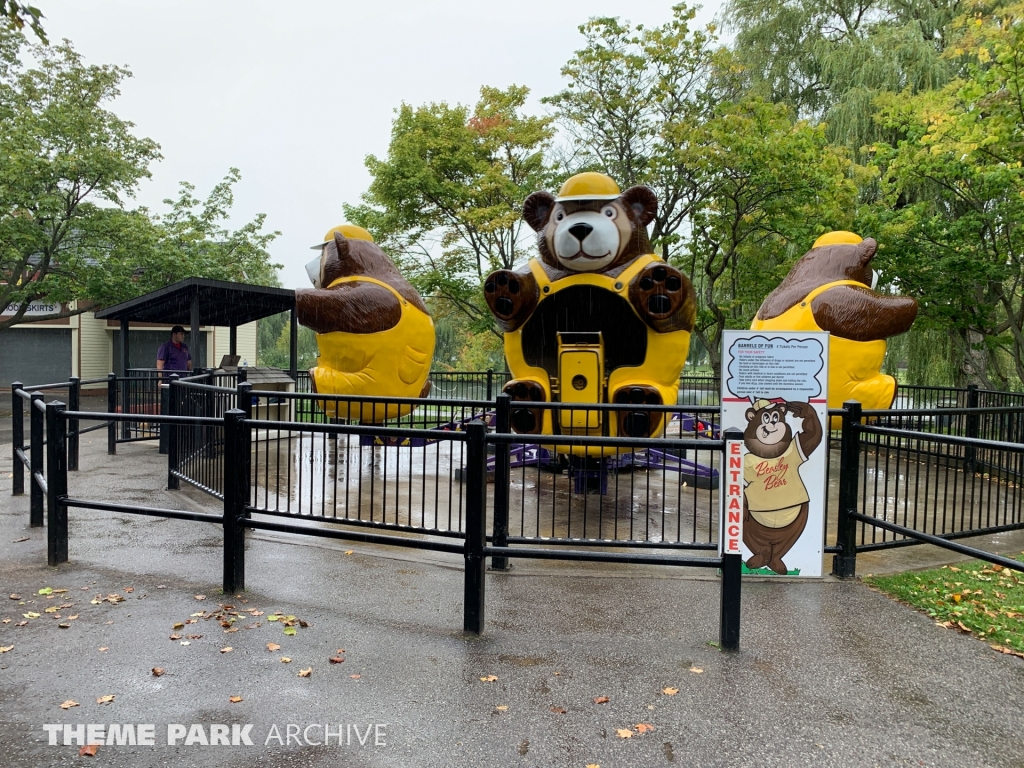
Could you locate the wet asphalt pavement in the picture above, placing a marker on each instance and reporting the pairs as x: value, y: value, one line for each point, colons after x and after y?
x: 828, y: 673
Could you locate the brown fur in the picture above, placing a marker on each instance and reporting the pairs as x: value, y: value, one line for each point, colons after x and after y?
x: 639, y: 205
x: 355, y: 307
x: 850, y: 312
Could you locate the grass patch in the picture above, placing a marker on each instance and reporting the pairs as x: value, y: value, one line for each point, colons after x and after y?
x: 976, y: 597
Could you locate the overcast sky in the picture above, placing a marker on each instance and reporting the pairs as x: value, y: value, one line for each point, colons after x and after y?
x: 296, y: 95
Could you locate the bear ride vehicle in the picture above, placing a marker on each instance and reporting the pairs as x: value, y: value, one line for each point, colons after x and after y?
x: 597, y: 318
x: 831, y: 288
x: 373, y: 331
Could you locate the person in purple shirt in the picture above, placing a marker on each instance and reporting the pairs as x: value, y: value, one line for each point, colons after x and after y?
x: 173, y: 355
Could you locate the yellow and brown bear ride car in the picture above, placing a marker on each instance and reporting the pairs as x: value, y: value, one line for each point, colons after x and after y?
x: 597, y: 318
x: 373, y: 331
x: 831, y: 288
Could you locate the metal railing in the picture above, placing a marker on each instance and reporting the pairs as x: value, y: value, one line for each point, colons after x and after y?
x: 239, y: 513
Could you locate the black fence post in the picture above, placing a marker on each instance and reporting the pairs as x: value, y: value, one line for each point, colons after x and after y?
x: 502, y: 479
x: 36, y: 431
x: 476, y: 503
x: 165, y: 408
x: 127, y: 391
x: 112, y: 408
x: 74, y: 404
x: 970, y: 452
x: 173, y: 434
x: 56, y: 484
x: 244, y: 398
x: 729, y: 610
x: 236, y: 494
x: 844, y: 564
x: 17, y: 439
x: 490, y: 384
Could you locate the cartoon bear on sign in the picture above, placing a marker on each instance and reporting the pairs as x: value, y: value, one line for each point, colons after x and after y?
x: 831, y: 288
x: 596, y: 288
x: 775, y: 500
x: 373, y: 330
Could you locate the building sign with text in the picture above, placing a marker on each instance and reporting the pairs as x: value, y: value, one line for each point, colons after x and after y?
x: 775, y: 391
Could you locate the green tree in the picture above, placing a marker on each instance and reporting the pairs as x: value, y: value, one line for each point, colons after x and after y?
x: 952, y: 204
x: 68, y: 166
x: 18, y: 15
x: 829, y: 59
x: 446, y: 201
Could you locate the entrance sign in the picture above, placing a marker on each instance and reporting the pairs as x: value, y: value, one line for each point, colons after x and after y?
x: 775, y: 390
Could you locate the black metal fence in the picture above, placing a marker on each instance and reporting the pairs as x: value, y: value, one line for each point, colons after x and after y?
x: 454, y: 473
x: 463, y: 531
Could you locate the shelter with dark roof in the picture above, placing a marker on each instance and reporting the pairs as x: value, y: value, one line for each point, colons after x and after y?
x: 220, y: 316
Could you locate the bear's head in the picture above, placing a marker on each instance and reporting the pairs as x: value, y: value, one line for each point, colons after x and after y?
x: 591, y: 226
x: 834, y: 256
x: 349, y: 251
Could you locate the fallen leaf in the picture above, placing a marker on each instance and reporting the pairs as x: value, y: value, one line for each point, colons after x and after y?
x: 500, y: 707
x: 273, y: 617
x: 306, y: 672
x: 593, y: 765
x: 158, y: 671
x: 340, y: 651
x: 89, y: 750
x: 195, y: 637
x: 69, y: 704
x: 488, y: 678
x: 286, y: 660
x: 18, y: 541
x: 185, y: 642
x: 289, y: 630
x: 349, y: 551
x: 336, y: 660
x: 105, y: 699
x: 355, y: 677
x: 644, y: 727
x: 15, y: 597
x: 64, y: 625
x: 199, y: 597
x: 129, y: 590
x: 229, y: 631
x: 558, y: 674
x: 179, y: 625
x: 31, y: 615
x: 51, y: 609
x: 158, y: 586
x: 559, y: 710
x: 273, y: 647
x: 46, y: 591
x: 104, y: 648
x: 623, y: 733
x: 697, y: 670
x: 601, y: 699
x: 6, y: 648
x: 175, y: 637
x: 72, y: 618
x: 234, y: 699
x: 670, y: 691
x: 226, y: 649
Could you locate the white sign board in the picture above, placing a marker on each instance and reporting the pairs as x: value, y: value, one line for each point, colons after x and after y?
x: 34, y: 310
x: 775, y: 390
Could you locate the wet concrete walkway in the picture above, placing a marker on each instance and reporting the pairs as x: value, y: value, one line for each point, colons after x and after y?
x: 829, y: 673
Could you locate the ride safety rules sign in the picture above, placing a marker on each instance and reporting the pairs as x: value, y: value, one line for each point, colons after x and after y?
x: 775, y: 391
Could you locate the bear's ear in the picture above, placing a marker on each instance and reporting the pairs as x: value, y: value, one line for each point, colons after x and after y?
x: 643, y: 202
x: 537, y: 209
x: 751, y: 413
x: 866, y: 251
x: 341, y: 242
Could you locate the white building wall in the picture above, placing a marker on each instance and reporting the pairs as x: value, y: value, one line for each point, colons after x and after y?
x: 93, y: 347
x: 245, y: 343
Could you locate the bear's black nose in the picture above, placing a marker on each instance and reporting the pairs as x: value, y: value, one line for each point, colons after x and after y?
x: 580, y: 231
